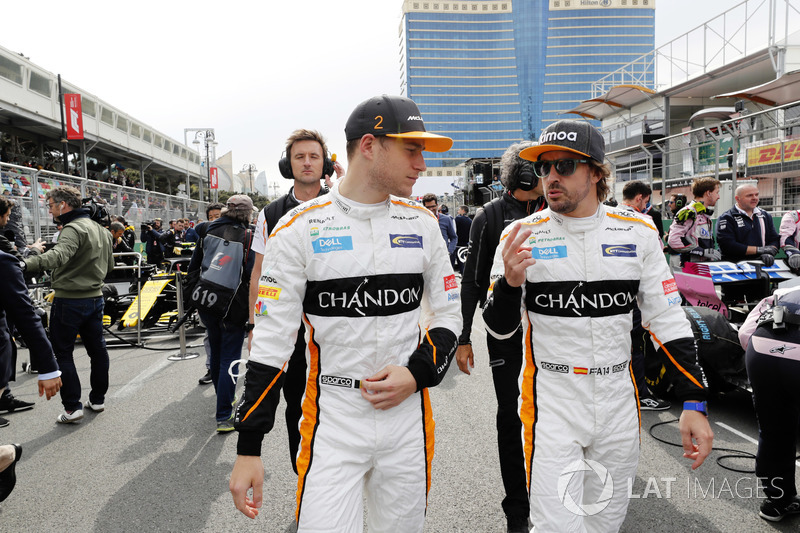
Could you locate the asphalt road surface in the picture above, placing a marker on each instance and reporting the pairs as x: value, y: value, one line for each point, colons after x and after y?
x: 152, y: 461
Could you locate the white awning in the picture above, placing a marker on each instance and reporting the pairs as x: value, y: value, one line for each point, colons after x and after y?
x: 617, y: 98
x: 783, y: 90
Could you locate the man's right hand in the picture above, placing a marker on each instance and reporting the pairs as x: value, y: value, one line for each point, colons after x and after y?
x: 49, y: 387
x: 248, y: 472
x: 516, y: 257
x: 465, y: 358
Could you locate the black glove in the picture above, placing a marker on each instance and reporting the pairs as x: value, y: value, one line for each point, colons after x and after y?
x: 768, y: 259
x: 794, y: 261
x: 771, y: 250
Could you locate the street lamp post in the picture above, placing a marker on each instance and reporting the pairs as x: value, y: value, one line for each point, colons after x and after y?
x: 250, y: 168
x: 207, y: 136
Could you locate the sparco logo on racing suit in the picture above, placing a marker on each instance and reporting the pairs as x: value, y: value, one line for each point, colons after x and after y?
x: 581, y: 298
x: 379, y: 295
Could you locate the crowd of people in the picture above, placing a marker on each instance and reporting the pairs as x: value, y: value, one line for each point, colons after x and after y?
x: 354, y: 300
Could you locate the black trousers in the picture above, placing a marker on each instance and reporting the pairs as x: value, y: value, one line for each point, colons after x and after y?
x: 294, y: 386
x: 505, y: 359
x: 776, y: 396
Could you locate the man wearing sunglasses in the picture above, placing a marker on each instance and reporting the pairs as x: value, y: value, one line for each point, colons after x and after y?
x: 577, y: 268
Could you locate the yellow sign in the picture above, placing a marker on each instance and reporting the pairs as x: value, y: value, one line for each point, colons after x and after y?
x: 764, y: 155
x: 149, y: 294
x: 773, y: 154
x: 265, y: 291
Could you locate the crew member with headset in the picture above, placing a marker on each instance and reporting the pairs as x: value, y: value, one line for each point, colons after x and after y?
x: 522, y: 196
x: 306, y: 161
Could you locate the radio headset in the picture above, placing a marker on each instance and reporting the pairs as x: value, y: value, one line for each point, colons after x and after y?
x: 527, y: 177
x: 680, y: 201
x: 285, y: 166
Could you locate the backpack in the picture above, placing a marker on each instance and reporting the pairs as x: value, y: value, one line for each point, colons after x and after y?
x: 493, y: 211
x: 221, y: 270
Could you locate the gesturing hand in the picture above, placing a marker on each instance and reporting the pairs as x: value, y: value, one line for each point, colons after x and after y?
x: 516, y: 257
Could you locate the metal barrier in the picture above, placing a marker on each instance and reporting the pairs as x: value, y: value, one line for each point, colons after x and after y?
x: 763, y: 145
x: 138, y: 268
x: 28, y: 186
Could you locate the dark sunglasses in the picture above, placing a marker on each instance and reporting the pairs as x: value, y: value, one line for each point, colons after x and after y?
x: 564, y: 167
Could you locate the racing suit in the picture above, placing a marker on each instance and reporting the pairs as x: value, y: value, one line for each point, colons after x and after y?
x: 736, y: 231
x: 773, y: 367
x: 691, y: 233
x: 359, y: 276
x: 789, y: 233
x: 579, y: 401
x: 505, y: 356
x: 294, y: 383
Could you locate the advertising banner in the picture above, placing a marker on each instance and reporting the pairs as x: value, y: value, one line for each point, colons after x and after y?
x: 72, y: 104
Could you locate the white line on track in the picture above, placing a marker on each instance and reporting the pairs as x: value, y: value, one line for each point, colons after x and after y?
x: 134, y: 384
x: 737, y: 432
x: 744, y: 436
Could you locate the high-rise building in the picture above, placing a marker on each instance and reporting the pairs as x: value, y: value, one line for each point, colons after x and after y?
x: 491, y: 72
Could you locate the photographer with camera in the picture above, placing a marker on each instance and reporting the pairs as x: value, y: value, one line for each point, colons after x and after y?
x: 151, y: 236
x: 171, y: 239
x: 79, y: 262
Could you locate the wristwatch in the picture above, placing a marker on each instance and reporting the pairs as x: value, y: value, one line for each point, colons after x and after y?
x: 696, y: 406
x: 249, y: 327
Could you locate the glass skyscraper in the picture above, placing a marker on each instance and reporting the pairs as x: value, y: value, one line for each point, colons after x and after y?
x: 491, y: 72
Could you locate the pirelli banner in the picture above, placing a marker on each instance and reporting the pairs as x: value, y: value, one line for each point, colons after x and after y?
x: 774, y: 154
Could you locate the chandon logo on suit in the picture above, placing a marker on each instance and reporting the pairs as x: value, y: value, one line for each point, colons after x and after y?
x: 378, y: 295
x: 581, y: 298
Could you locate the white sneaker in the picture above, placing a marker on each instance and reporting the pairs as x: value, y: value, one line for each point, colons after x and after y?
x: 70, y: 417
x: 96, y: 407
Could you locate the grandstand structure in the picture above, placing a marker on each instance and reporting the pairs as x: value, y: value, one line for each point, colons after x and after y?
x: 31, y: 125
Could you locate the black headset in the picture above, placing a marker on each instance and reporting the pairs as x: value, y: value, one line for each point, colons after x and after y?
x: 527, y: 179
x: 285, y: 166
x: 680, y: 201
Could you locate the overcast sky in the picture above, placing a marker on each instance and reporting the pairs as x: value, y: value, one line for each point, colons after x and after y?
x: 252, y: 70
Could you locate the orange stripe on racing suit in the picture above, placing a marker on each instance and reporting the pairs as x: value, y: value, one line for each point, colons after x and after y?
x: 427, y: 336
x: 638, y: 405
x: 505, y: 234
x: 428, y: 427
x: 291, y: 221
x: 632, y: 219
x: 428, y: 211
x: 528, y: 411
x: 264, y: 394
x: 310, y: 420
x: 674, y: 362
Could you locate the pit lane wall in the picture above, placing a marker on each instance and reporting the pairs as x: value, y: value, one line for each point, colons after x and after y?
x: 28, y: 186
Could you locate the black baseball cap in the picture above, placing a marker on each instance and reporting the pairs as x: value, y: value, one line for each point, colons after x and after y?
x: 571, y: 135
x: 393, y: 116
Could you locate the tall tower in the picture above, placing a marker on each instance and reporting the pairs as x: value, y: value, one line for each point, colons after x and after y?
x: 491, y: 72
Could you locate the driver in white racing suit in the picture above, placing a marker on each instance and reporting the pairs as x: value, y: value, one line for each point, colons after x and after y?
x: 358, y: 267
x: 577, y: 268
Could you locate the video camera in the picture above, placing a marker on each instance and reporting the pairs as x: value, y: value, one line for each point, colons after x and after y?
x: 149, y: 224
x: 97, y: 211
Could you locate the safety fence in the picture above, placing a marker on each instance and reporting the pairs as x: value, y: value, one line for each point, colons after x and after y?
x: 762, y: 146
x: 28, y: 186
